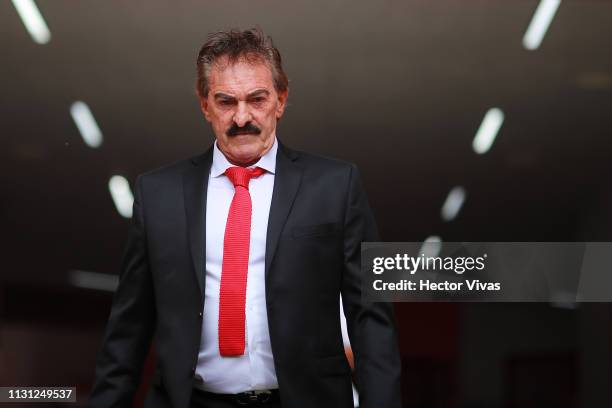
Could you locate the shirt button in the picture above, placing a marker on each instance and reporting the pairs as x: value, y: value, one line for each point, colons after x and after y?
x: 200, y: 314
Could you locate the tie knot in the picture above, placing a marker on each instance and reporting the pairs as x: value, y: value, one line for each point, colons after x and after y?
x: 240, y: 176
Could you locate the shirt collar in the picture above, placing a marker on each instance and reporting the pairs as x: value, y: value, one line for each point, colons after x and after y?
x: 220, y: 162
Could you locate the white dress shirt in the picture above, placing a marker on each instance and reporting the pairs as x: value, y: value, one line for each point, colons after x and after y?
x: 255, y: 368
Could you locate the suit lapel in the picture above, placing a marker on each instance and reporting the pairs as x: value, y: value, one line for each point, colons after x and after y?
x: 288, y: 176
x: 195, y: 186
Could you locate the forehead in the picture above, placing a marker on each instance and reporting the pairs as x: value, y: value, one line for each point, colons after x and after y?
x: 240, y: 76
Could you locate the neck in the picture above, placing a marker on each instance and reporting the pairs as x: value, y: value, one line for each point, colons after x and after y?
x: 242, y: 164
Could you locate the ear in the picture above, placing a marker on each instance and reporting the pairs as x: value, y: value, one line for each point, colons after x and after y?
x: 205, y: 107
x: 282, y: 103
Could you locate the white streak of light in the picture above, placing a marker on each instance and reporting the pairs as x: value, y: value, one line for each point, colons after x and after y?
x: 431, y: 246
x: 122, y: 195
x: 33, y: 20
x: 539, y: 24
x: 86, y: 123
x: 453, y: 203
x: 485, y: 136
x: 94, y: 280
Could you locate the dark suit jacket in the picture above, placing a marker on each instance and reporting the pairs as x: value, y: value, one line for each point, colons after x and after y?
x: 318, y: 217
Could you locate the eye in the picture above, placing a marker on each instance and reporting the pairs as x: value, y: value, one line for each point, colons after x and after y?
x: 258, y: 99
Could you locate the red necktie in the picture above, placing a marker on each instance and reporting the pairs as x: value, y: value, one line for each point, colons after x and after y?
x: 232, y: 294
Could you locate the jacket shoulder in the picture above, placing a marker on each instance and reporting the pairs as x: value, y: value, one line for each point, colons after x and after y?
x: 324, y: 163
x: 170, y: 171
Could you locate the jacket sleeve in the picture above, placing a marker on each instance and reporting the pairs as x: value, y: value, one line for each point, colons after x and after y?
x: 131, y: 323
x: 370, y: 325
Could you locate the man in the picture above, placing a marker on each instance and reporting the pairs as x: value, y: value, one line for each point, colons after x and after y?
x: 236, y: 258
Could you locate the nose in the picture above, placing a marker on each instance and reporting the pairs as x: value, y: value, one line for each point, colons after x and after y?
x: 242, y: 115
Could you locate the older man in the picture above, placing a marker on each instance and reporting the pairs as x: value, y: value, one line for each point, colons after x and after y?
x: 236, y: 258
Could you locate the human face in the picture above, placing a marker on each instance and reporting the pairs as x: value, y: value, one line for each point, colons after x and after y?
x: 243, y: 106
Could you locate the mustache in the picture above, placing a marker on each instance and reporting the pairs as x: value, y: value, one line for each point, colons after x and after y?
x: 247, y: 128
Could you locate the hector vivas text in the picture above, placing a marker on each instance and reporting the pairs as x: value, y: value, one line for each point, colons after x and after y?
x: 413, y: 265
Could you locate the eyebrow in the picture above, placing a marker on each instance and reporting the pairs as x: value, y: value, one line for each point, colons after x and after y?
x: 221, y: 95
x: 258, y: 92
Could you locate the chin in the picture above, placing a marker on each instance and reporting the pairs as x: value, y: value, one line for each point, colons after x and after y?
x: 245, y: 154
x: 244, y: 148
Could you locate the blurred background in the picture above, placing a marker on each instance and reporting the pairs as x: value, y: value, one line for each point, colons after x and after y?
x: 472, y: 120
